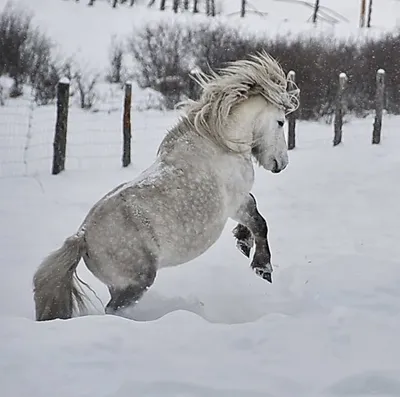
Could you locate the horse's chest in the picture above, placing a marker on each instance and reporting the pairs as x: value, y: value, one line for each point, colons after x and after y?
x: 238, y: 179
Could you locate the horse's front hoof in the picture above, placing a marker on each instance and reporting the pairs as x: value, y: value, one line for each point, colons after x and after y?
x: 244, y: 248
x: 265, y: 274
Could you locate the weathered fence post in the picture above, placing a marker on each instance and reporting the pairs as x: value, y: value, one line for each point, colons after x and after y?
x: 60, y: 136
x: 369, y: 14
x: 315, y: 13
x: 243, y: 8
x: 379, y: 103
x: 292, y: 116
x: 126, y: 126
x: 362, y: 13
x: 339, y: 109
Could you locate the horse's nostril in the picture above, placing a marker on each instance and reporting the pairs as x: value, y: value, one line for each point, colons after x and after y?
x: 276, y: 168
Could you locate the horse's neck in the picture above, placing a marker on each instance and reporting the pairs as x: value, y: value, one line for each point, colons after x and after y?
x: 180, y: 134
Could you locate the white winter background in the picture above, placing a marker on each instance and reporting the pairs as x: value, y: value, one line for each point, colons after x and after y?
x: 329, y: 324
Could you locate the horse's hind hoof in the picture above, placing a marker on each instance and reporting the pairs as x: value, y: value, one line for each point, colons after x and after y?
x: 264, y: 274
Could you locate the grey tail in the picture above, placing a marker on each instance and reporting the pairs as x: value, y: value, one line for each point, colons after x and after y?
x: 56, y: 292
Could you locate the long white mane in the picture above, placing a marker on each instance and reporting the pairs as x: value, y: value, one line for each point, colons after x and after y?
x: 261, y: 74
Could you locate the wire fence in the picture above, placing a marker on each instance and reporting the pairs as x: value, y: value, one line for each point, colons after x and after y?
x: 95, y: 140
x: 27, y: 135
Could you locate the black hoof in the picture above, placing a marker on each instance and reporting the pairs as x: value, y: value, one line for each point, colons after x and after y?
x: 264, y: 274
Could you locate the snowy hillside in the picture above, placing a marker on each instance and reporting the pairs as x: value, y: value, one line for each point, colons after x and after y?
x: 85, y: 32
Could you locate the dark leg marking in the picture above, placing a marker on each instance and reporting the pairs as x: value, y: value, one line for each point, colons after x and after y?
x: 251, y: 219
x: 124, y: 297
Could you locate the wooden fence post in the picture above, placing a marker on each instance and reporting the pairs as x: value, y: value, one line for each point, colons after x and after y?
x: 195, y: 6
x: 60, y: 136
x: 362, y: 13
x: 243, y: 8
x: 369, y: 14
x: 379, y: 103
x: 291, y: 116
x: 126, y: 126
x: 339, y: 109
x: 315, y: 13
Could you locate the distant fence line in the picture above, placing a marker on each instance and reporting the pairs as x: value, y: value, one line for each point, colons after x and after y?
x: 61, y: 129
x: 114, y: 140
x: 28, y: 144
x: 340, y: 107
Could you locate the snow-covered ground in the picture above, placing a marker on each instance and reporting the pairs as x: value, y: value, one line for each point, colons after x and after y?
x: 327, y: 326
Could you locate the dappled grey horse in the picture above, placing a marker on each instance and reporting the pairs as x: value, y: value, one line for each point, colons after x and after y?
x: 177, y: 208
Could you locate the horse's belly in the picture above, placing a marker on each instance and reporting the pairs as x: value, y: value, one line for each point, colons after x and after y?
x: 184, y: 247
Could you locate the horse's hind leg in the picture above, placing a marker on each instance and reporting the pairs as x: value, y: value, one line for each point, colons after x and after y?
x: 251, y: 219
x: 122, y: 297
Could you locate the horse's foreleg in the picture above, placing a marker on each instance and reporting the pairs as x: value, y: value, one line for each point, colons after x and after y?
x: 249, y: 218
x: 244, y: 239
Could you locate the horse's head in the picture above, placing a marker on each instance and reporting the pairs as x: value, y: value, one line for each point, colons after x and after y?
x: 243, y: 109
x: 266, y: 136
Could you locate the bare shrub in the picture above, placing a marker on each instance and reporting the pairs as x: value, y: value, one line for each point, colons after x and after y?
x: 375, y: 54
x: 214, y: 45
x: 166, y: 53
x: 162, y: 53
x: 116, y: 59
x: 86, y: 84
x: 26, y: 54
x: 317, y: 62
x: 16, y: 37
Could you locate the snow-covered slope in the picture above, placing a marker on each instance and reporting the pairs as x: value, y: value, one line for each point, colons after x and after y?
x: 85, y: 32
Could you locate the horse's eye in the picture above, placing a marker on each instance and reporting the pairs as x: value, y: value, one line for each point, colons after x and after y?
x: 281, y: 123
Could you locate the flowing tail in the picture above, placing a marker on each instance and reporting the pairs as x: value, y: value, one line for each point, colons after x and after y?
x: 56, y: 292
